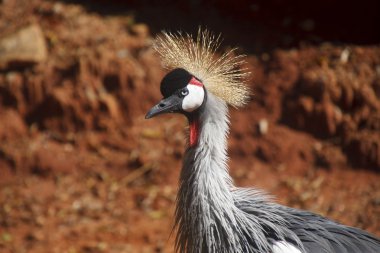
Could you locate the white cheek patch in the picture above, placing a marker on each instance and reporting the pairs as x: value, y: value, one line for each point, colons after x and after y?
x: 194, y: 99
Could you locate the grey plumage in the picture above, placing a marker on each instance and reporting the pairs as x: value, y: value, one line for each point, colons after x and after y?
x: 212, y: 215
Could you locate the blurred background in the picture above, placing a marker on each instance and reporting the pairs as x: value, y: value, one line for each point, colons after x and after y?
x: 82, y: 171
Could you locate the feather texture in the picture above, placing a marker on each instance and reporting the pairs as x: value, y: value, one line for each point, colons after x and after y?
x: 221, y: 75
x: 214, y: 216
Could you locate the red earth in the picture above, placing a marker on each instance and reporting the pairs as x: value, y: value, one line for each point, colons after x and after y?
x: 81, y: 170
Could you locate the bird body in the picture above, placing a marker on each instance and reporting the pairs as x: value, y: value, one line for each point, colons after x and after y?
x: 212, y: 214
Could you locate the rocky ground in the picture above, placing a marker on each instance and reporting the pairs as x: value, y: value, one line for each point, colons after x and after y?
x: 82, y: 171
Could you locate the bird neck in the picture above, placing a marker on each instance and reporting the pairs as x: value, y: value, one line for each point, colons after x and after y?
x: 212, y: 215
x: 207, y: 151
x: 204, y: 196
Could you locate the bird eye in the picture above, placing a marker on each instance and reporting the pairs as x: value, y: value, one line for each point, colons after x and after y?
x: 184, y: 92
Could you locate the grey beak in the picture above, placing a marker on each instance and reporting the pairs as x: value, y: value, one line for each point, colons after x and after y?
x: 166, y: 105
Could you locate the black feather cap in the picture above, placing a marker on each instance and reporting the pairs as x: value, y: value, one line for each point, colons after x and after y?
x: 176, y: 79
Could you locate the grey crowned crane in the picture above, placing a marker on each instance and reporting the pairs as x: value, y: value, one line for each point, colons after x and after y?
x: 212, y: 214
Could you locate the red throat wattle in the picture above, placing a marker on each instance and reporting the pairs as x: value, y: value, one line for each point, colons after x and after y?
x: 194, y: 132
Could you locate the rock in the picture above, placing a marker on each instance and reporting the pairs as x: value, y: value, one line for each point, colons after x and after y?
x: 263, y: 126
x: 24, y: 47
x: 344, y: 56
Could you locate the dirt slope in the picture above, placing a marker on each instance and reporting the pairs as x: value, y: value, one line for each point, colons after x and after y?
x: 82, y: 171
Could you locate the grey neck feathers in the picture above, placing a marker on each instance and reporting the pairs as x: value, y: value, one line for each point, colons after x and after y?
x: 205, y: 185
x: 211, y: 214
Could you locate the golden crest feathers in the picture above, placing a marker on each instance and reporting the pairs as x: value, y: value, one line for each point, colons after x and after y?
x: 221, y: 75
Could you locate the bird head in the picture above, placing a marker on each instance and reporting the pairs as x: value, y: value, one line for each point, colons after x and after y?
x: 196, y: 67
x: 182, y: 93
